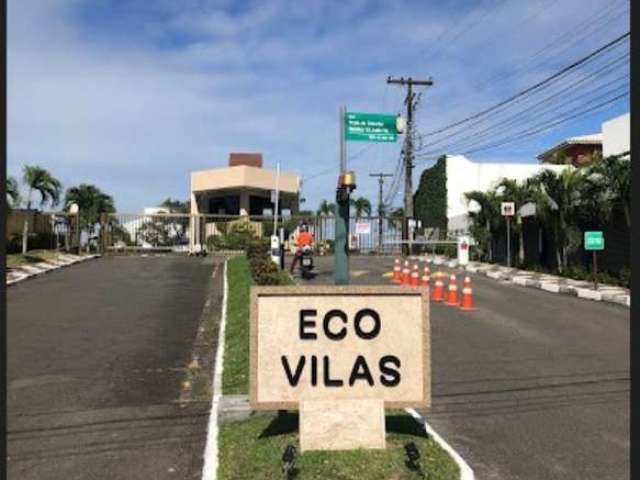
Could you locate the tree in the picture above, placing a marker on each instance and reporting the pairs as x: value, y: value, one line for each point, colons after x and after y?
x: 13, y: 193
x: 558, y: 200
x: 520, y: 193
x: 92, y: 202
x: 39, y: 180
x: 176, y: 206
x: 613, y: 175
x: 485, y: 218
x: 326, y: 209
x: 361, y: 205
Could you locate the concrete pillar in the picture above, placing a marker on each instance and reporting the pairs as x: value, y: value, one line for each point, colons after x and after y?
x: 193, y: 224
x: 244, y: 203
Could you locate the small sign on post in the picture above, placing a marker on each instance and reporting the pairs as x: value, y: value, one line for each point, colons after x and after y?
x: 507, y: 209
x: 594, y: 241
x: 363, y: 228
x: 338, y: 354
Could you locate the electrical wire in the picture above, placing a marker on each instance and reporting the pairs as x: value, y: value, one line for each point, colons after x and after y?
x: 541, y: 84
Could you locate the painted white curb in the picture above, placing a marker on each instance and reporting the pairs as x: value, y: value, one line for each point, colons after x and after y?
x: 589, y: 294
x: 550, y: 287
x: 29, y: 271
x: 466, y: 473
x: 210, y: 467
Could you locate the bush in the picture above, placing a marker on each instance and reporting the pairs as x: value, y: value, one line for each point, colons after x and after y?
x: 36, y: 241
x: 236, y: 235
x: 263, y: 270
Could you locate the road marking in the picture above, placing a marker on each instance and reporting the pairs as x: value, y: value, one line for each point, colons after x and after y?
x: 215, y: 271
x: 465, y: 470
x: 210, y: 467
x: 358, y: 273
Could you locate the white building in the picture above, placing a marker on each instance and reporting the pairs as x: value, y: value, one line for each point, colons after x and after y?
x: 616, y: 135
x: 463, y: 176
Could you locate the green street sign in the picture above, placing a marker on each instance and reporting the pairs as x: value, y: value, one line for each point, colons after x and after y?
x: 593, y: 241
x: 370, y: 127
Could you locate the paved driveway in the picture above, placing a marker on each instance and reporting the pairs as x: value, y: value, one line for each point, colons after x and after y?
x: 96, y: 357
x: 533, y: 385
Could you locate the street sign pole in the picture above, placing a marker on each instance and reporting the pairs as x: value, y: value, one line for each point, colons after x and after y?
x: 594, y: 241
x: 341, y: 250
x: 508, y: 242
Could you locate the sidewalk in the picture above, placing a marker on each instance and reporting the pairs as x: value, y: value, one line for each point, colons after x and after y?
x: 18, y: 274
x: 542, y: 281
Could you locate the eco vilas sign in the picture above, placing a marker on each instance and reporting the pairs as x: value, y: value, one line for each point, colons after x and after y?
x: 340, y: 355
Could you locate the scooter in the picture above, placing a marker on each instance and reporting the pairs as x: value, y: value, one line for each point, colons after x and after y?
x: 306, y: 262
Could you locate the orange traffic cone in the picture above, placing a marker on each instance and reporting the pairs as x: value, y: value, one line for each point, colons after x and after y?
x: 438, y: 289
x: 467, y: 303
x: 415, y: 277
x: 397, y: 272
x: 425, y: 277
x: 406, y: 274
x: 452, y: 296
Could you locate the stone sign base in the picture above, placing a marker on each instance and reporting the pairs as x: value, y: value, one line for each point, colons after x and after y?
x: 342, y: 424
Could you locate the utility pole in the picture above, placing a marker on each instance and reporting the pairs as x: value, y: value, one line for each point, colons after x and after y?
x: 380, y: 208
x: 408, y: 151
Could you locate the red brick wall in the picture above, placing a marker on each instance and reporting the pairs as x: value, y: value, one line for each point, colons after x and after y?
x: 249, y: 159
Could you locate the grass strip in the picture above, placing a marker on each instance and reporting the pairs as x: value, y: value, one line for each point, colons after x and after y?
x: 15, y: 260
x: 235, y: 376
x: 253, y: 448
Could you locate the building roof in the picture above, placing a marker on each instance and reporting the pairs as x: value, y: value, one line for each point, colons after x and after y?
x: 243, y: 176
x: 591, y: 139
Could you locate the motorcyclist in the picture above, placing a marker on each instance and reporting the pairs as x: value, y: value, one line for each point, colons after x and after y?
x: 303, y: 239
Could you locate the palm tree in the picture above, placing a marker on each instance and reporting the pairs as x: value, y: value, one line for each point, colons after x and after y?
x: 176, y: 206
x: 361, y: 205
x: 485, y: 218
x: 326, y: 209
x: 13, y: 193
x: 92, y: 202
x: 39, y: 180
x: 613, y: 175
x: 558, y: 199
x: 520, y: 193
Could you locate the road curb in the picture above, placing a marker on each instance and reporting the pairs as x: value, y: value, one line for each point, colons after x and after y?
x: 41, y: 268
x: 546, y: 283
x: 210, y: 467
x: 466, y: 473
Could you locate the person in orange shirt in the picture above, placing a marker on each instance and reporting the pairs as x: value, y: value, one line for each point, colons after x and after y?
x: 303, y: 239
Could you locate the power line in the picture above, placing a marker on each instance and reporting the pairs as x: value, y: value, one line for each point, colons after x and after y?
x: 534, y: 87
x: 540, y: 107
x: 538, y: 129
x: 583, y: 33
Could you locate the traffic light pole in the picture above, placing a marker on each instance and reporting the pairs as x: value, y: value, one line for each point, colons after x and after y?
x: 341, y: 245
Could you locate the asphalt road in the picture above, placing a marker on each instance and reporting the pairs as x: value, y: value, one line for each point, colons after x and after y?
x: 532, y: 385
x: 96, y: 359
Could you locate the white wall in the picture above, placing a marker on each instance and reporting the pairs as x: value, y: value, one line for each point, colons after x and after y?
x: 463, y: 175
x: 616, y: 135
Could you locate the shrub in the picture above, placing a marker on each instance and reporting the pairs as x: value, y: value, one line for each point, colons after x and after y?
x: 237, y: 235
x: 263, y: 270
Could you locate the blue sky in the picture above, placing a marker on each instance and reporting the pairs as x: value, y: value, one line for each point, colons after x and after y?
x: 134, y: 95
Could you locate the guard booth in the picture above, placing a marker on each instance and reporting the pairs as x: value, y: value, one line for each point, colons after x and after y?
x: 243, y: 188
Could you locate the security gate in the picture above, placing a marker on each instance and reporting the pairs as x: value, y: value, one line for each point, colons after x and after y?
x: 178, y: 232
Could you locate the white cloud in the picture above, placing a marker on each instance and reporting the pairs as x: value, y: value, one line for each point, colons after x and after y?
x: 135, y: 117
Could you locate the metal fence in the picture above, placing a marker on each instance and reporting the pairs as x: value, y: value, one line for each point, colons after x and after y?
x: 182, y: 232
x: 45, y: 230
